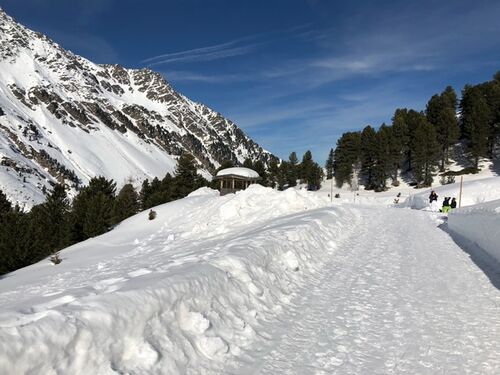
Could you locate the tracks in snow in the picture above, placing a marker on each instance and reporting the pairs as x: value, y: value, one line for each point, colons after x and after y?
x: 399, y: 296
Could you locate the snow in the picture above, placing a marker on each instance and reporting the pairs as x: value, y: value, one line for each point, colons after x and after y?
x: 238, y: 171
x: 259, y: 281
x: 479, y: 224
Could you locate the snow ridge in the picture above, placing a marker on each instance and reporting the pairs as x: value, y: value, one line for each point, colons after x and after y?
x: 150, y: 297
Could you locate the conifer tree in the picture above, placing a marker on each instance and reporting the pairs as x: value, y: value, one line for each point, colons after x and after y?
x: 145, y: 194
x: 310, y: 172
x: 292, y: 170
x: 186, y: 177
x: 5, y: 205
x: 273, y: 173
x: 425, y: 151
x: 329, y: 165
x: 475, y: 120
x: 441, y: 113
x: 305, y: 166
x: 399, y: 140
x: 283, y: 174
x: 261, y: 170
x: 126, y: 204
x: 347, y: 155
x: 15, y: 243
x: 369, y: 151
x: 56, y: 211
x: 385, y: 159
x: 413, y: 120
x: 92, y: 209
x: 248, y: 163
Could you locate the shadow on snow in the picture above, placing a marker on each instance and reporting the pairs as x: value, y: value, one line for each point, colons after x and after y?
x: 489, y: 265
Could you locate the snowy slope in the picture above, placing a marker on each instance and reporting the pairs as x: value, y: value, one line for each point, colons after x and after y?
x: 174, y: 295
x: 65, y: 118
x: 255, y: 282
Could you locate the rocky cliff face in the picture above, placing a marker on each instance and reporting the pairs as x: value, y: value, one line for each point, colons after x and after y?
x: 64, y: 118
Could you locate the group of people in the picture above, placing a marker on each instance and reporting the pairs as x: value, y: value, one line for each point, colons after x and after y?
x: 448, y: 202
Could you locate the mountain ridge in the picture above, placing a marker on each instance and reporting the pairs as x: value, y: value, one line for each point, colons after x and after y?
x: 66, y: 119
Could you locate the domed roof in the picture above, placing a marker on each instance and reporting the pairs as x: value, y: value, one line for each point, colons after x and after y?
x: 238, y: 171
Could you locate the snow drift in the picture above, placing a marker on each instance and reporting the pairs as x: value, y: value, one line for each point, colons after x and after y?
x: 184, y: 293
x: 479, y: 224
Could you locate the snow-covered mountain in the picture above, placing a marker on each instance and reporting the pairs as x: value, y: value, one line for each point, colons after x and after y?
x: 64, y: 118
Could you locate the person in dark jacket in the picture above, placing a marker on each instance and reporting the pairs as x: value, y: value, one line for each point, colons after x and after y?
x: 433, y: 197
x: 453, y: 203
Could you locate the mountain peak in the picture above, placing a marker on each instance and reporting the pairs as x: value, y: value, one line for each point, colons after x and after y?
x: 66, y: 119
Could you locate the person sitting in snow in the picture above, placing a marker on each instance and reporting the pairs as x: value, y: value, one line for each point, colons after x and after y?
x: 453, y: 203
x: 446, y: 205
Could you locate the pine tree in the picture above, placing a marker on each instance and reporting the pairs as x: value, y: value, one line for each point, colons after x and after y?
x: 56, y: 211
x: 126, y: 204
x: 425, y: 151
x: 273, y: 173
x: 385, y: 157
x: 369, y: 156
x: 491, y: 92
x: 92, y: 209
x: 475, y: 121
x: 145, y: 194
x: 248, y: 163
x: 399, y: 141
x: 15, y: 243
x: 347, y: 155
x: 186, y: 178
x: 5, y: 205
x: 305, y: 166
x: 261, y: 170
x: 329, y: 165
x: 292, y: 170
x: 441, y: 113
x: 310, y: 172
x: 283, y: 174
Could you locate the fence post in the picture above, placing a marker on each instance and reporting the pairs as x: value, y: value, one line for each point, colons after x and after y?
x: 460, y: 194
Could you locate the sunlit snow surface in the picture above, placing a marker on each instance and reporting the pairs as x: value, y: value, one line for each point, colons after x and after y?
x: 255, y: 282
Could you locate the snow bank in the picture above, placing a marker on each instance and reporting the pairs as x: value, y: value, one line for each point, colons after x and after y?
x: 182, y: 294
x: 474, y: 192
x: 479, y: 224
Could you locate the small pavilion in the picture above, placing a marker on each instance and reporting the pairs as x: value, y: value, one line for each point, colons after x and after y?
x: 234, y: 179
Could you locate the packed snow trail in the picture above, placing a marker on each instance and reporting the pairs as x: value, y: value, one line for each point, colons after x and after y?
x: 399, y: 297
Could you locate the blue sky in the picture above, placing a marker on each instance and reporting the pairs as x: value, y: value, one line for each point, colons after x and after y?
x: 294, y: 75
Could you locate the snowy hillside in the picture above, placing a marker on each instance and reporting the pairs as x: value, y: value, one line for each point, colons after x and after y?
x: 255, y: 282
x: 63, y: 118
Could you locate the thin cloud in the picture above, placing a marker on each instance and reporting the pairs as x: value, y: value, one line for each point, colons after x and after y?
x: 186, y: 76
x: 213, y: 52
x: 206, y: 56
x: 236, y: 47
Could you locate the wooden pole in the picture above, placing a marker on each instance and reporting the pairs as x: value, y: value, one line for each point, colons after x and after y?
x: 331, y: 191
x: 460, y: 195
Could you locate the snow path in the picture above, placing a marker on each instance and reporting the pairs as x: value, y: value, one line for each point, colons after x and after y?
x: 391, y: 301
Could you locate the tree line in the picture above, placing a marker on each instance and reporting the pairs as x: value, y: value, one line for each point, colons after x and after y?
x: 420, y: 142
x: 28, y: 237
